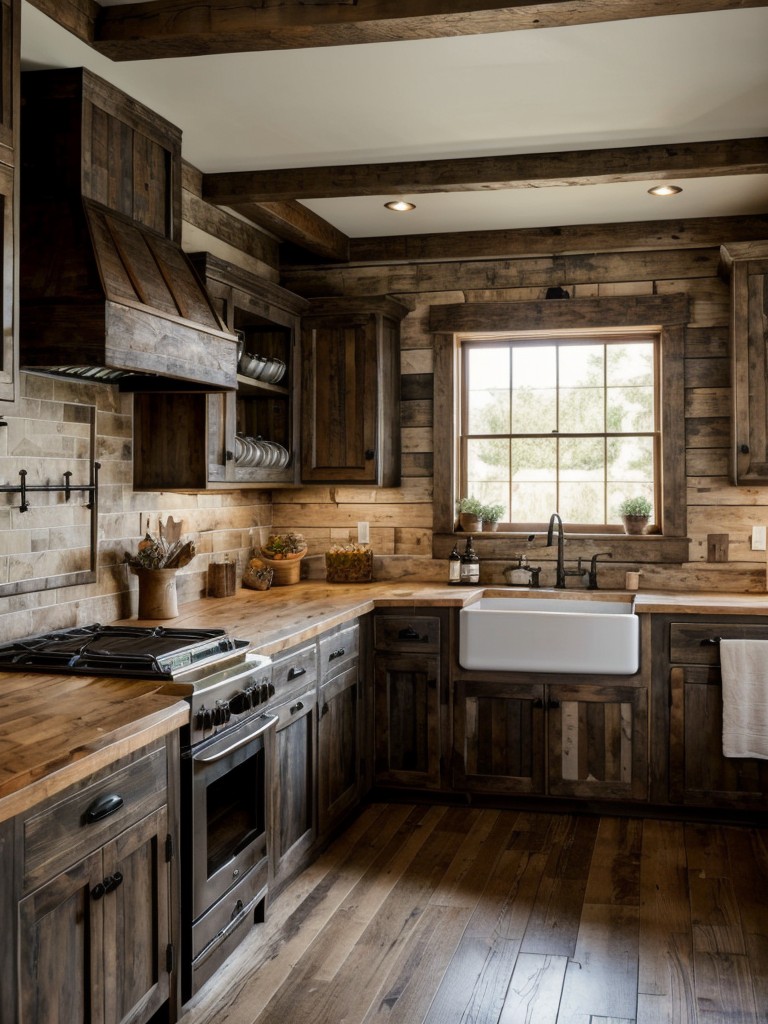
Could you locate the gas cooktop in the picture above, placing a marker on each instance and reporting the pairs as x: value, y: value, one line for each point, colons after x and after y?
x: 143, y: 651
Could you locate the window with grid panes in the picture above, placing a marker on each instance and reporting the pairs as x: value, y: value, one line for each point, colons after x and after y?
x: 566, y: 423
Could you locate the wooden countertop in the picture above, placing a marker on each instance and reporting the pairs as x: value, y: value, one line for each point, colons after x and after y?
x: 56, y: 730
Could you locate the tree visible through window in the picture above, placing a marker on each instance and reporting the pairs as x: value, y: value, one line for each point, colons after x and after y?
x: 565, y: 423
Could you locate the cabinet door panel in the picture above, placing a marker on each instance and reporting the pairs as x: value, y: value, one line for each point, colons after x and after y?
x: 407, y: 715
x: 699, y: 773
x: 749, y: 302
x: 61, y: 944
x: 338, y: 748
x: 293, y: 803
x: 136, y: 921
x: 498, y: 738
x: 596, y: 738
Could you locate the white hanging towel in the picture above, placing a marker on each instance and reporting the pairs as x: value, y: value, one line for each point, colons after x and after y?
x: 744, y: 665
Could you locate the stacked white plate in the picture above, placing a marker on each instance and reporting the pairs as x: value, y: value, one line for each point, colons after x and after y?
x: 267, y: 368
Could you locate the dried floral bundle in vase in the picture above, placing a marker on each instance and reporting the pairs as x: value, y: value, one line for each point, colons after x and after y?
x: 349, y: 563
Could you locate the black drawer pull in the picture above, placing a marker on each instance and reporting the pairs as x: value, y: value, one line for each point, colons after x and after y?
x: 102, y: 807
x: 554, y: 704
x: 537, y: 702
x: 298, y: 706
x: 98, y: 891
x: 409, y: 633
x: 711, y: 640
x: 337, y: 654
x: 294, y: 673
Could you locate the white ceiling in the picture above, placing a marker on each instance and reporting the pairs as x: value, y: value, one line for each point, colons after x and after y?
x: 682, y: 78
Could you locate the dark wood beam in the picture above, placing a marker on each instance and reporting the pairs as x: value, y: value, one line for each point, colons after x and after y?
x: 175, y: 28
x: 76, y: 16
x: 292, y: 222
x: 474, y: 174
x: 694, y: 233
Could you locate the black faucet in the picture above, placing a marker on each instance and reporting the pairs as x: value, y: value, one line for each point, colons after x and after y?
x: 561, y: 571
x: 592, y: 585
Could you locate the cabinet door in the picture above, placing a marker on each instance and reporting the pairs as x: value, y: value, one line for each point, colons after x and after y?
x: 749, y: 336
x: 498, y: 737
x: 10, y: 20
x: 8, y: 286
x: 61, y: 945
x: 699, y: 774
x: 137, y: 921
x: 339, y: 401
x: 597, y: 740
x: 293, y: 786
x: 407, y: 719
x: 338, y: 748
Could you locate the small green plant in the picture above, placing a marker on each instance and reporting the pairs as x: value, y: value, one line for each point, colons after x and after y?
x: 638, y: 506
x: 470, y: 506
x: 492, y: 513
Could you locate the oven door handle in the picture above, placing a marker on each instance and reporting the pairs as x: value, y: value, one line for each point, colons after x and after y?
x: 271, y: 720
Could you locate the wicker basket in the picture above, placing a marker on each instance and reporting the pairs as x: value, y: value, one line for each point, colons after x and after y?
x: 349, y: 566
x: 285, y: 570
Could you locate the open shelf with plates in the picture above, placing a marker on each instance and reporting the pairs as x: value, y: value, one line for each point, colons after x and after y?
x: 246, y: 437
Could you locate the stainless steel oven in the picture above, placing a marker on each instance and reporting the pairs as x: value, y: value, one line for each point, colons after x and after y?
x: 226, y: 756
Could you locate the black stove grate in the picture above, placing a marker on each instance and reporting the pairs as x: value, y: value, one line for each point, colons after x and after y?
x: 144, y: 651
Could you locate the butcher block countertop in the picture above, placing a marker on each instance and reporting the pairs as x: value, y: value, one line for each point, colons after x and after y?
x: 56, y: 730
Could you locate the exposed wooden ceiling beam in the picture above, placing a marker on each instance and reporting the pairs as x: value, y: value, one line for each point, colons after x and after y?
x: 691, y: 233
x: 293, y: 222
x: 77, y: 16
x: 176, y: 28
x: 473, y: 174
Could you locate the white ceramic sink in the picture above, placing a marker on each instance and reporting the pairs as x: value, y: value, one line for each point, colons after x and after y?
x: 550, y: 634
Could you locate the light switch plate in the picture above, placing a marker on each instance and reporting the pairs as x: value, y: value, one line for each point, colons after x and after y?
x: 758, y: 538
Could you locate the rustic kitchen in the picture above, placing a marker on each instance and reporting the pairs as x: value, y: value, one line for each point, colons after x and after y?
x: 283, y: 734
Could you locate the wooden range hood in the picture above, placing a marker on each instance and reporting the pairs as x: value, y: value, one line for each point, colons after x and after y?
x: 104, y: 282
x: 102, y: 291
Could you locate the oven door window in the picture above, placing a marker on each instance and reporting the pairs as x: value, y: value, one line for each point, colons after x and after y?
x: 234, y: 810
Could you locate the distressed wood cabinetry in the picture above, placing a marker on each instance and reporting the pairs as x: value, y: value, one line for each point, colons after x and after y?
x: 687, y: 735
x: 340, y: 727
x: 193, y: 440
x: 293, y: 805
x: 10, y: 18
x: 747, y: 265
x: 98, y: 898
x: 351, y: 391
x: 409, y: 698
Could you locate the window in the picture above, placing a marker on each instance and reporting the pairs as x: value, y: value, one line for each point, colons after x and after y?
x: 566, y: 421
x: 657, y: 319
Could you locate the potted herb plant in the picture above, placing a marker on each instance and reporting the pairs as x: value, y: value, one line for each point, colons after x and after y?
x: 491, y: 514
x: 635, y: 514
x: 470, y: 514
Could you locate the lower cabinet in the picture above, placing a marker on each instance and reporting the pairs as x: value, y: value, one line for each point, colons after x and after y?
x: 408, y: 699
x: 583, y: 739
x: 688, y: 713
x: 94, y: 942
x: 95, y: 878
x: 293, y: 801
x: 340, y: 727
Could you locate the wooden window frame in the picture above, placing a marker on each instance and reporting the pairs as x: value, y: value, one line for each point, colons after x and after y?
x: 665, y: 315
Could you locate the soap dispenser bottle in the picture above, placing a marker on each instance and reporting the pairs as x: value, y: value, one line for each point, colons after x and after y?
x: 470, y: 564
x: 454, y: 566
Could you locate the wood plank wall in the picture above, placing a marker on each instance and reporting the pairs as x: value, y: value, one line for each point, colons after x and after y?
x: 401, y: 518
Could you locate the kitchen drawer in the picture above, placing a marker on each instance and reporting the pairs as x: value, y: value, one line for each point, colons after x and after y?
x: 696, y: 643
x: 337, y: 650
x: 61, y: 834
x: 294, y: 670
x: 287, y: 711
x: 406, y: 632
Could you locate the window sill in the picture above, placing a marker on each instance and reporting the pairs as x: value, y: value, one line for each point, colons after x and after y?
x: 505, y: 545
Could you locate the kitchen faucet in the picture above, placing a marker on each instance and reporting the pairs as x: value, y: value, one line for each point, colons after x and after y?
x: 561, y: 571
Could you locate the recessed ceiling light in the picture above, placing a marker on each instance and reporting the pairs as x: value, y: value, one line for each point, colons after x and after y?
x: 664, y: 190
x: 400, y: 206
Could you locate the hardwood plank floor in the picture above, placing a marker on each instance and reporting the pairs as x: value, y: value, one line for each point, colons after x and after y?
x: 446, y: 915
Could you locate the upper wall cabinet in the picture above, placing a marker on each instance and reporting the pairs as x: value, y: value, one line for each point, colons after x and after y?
x: 350, y: 390
x: 242, y: 438
x: 10, y: 18
x: 747, y: 265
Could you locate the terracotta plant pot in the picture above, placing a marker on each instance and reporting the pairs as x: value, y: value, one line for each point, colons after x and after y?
x: 490, y: 527
x: 470, y: 523
x: 634, y: 524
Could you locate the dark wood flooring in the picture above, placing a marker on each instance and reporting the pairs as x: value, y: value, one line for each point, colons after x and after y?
x: 442, y: 915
